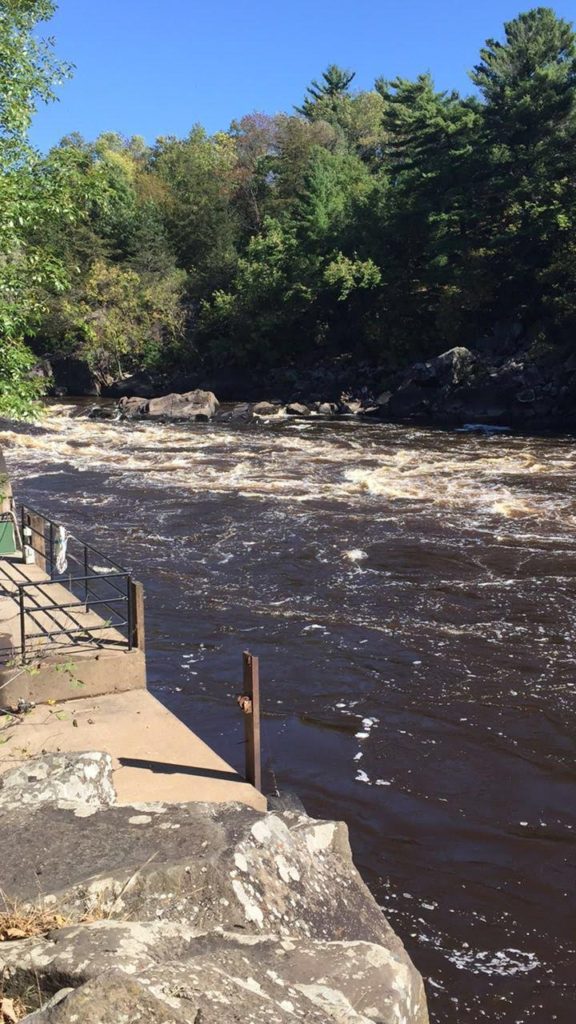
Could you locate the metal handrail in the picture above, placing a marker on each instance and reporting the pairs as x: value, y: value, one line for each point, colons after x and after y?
x: 54, y: 522
x: 31, y: 517
x: 74, y: 604
x: 73, y: 579
x: 69, y: 632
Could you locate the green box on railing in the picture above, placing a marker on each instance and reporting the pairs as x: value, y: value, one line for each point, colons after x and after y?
x: 7, y: 538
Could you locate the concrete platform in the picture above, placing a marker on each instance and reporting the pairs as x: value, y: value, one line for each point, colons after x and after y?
x: 140, y: 735
x: 94, y: 659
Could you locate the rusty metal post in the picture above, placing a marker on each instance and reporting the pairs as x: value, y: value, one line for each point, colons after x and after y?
x: 136, y: 618
x: 249, y: 702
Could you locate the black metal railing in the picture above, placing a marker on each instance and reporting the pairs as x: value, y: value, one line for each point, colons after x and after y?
x: 95, y: 582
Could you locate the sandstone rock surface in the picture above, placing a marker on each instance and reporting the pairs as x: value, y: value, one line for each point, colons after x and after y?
x: 191, y: 912
x: 297, y: 409
x: 267, y: 409
x: 199, y: 406
x: 193, y: 405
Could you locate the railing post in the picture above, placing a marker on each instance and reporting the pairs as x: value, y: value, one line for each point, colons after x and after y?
x: 136, y: 600
x: 130, y: 612
x: 51, y: 549
x: 86, y: 577
x: 22, y: 623
x: 249, y: 701
x: 38, y: 540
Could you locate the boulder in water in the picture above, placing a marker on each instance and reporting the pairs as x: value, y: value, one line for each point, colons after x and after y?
x: 104, y: 412
x: 241, y: 413
x: 297, y: 409
x: 349, y: 406
x: 266, y: 409
x: 327, y: 409
x: 131, y: 407
x: 193, y: 405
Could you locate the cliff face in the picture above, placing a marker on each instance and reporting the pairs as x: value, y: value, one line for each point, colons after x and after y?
x: 197, y: 913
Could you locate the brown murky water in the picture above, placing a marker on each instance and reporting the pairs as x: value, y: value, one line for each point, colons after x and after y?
x: 411, y: 596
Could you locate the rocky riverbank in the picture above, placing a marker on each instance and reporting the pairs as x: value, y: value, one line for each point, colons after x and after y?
x: 184, y: 913
x: 502, y: 380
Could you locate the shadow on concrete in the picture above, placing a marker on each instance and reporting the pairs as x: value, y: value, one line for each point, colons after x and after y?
x: 164, y: 768
x: 7, y: 649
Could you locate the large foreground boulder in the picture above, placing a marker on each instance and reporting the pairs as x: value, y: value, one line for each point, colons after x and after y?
x: 179, y: 914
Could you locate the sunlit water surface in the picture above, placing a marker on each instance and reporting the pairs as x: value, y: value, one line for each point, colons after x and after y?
x: 411, y: 597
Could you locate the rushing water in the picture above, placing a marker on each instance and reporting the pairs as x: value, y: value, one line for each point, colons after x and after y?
x: 411, y: 596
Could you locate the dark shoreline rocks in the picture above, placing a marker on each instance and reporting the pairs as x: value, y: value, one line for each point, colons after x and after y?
x: 504, y: 379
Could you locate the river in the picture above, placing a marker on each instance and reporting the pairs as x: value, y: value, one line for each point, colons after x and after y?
x: 410, y: 594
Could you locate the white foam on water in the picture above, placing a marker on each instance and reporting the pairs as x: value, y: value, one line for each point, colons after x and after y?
x: 480, y: 479
x: 356, y: 555
x: 504, y: 963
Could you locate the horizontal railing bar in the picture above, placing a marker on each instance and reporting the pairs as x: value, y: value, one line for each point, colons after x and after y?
x: 75, y: 604
x: 78, y: 603
x: 71, y: 557
x: 70, y: 632
x: 108, y: 581
x: 39, y: 533
x: 62, y: 580
x: 117, y: 600
x: 106, y: 576
x: 72, y: 579
x: 34, y: 511
x: 27, y: 592
x: 30, y: 612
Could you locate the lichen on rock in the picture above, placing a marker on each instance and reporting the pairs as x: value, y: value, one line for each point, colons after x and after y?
x: 192, y: 912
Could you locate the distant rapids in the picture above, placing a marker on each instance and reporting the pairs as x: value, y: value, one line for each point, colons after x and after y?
x: 411, y: 596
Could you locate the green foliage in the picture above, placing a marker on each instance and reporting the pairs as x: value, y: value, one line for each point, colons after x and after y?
x: 19, y: 389
x: 387, y: 222
x: 28, y: 74
x: 199, y: 178
x: 117, y: 321
x: 345, y: 275
x: 324, y: 98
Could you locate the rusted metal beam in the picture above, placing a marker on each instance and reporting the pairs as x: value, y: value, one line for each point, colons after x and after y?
x: 249, y: 702
x: 138, y: 628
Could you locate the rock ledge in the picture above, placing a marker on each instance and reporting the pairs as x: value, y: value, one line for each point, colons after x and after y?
x: 189, y: 913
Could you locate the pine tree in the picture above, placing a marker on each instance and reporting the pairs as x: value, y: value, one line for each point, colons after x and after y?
x: 324, y: 96
x: 525, y: 192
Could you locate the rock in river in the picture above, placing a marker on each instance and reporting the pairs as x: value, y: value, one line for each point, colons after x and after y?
x: 193, y: 405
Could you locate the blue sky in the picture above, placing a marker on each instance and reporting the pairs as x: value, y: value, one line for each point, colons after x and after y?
x: 153, y: 68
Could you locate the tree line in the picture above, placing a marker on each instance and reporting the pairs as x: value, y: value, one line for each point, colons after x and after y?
x: 385, y: 223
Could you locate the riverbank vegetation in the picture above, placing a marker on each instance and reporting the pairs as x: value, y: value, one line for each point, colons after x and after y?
x: 386, y: 223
